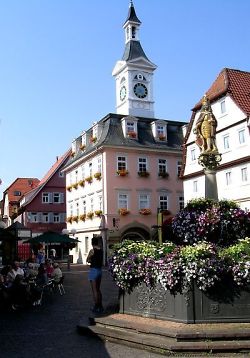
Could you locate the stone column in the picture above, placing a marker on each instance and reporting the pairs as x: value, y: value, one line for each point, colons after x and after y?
x: 210, y: 163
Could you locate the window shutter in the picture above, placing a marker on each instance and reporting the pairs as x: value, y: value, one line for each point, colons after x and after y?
x: 61, y: 198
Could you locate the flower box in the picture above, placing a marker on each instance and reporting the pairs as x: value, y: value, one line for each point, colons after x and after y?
x: 69, y: 187
x: 90, y: 215
x: 193, y: 307
x: 98, y: 175
x: 143, y: 174
x: 82, y: 147
x: 73, y: 154
x: 122, y: 172
x: 145, y: 211
x: 82, y: 217
x: 75, y: 185
x: 93, y: 139
x: 98, y: 213
x: 161, y: 137
x: 123, y: 211
x: 75, y: 218
x: 81, y: 182
x: 131, y: 134
x: 89, y: 179
x: 163, y: 174
x: 69, y: 219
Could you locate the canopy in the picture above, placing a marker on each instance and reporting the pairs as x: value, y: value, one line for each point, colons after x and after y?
x: 52, y: 238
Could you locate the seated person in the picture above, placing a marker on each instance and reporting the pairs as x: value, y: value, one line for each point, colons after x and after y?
x: 31, y: 272
x: 49, y: 267
x: 41, y: 278
x: 57, y: 273
x: 19, y: 293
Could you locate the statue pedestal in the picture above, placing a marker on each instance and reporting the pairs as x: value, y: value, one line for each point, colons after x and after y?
x: 210, y: 162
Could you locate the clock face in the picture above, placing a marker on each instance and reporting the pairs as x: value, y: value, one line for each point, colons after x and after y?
x: 123, y: 93
x: 140, y: 90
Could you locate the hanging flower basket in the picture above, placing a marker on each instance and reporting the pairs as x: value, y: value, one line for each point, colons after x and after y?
x: 163, y: 174
x: 123, y: 211
x: 90, y: 215
x: 145, y: 211
x: 82, y: 217
x: 98, y: 213
x: 143, y: 174
x: 122, y: 172
x: 131, y: 134
x: 69, y: 219
x: 89, y: 179
x: 98, y: 176
x: 81, y: 182
x: 75, y: 185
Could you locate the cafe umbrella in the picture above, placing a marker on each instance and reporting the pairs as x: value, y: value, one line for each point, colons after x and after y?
x: 52, y: 238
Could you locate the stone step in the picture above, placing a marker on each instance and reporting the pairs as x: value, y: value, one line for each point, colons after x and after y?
x: 155, y: 338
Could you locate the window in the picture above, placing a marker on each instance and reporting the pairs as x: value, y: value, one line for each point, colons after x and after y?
x: 45, y: 217
x: 223, y: 107
x: 33, y: 217
x: 241, y: 134
x: 228, y: 178
x: 130, y: 127
x: 99, y: 164
x: 84, y: 208
x: 56, y: 197
x: 144, y: 201
x: 17, y: 193
x: 162, y: 166
x: 226, y: 141
x: 142, y: 164
x: 123, y: 201
x: 179, y: 166
x: 45, y: 198
x: 71, y: 210
x: 90, y: 169
x: 160, y: 130
x: 83, y: 171
x: 163, y: 202
x: 193, y: 154
x: 181, y: 202
x: 121, y: 163
x: 76, y: 176
x: 61, y: 174
x: 244, y: 174
x: 91, y: 204
x: 100, y: 202
x: 77, y: 209
x: 195, y: 186
x: 56, y: 218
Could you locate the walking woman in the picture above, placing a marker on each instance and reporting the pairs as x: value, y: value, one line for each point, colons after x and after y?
x: 95, y: 259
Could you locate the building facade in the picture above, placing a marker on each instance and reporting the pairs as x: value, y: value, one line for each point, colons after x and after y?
x: 229, y: 98
x: 125, y: 168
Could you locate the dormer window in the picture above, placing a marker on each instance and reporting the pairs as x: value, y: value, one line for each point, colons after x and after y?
x: 159, y: 130
x: 95, y: 133
x: 129, y: 126
x: 83, y: 141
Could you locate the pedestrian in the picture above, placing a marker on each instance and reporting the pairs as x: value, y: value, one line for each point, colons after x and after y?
x: 95, y: 259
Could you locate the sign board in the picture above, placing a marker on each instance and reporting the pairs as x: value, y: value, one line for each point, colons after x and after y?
x: 24, y: 233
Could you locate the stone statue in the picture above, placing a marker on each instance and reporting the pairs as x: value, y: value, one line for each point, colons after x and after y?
x: 205, y: 128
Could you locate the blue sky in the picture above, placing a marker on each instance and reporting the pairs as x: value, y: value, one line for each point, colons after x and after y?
x: 57, y: 57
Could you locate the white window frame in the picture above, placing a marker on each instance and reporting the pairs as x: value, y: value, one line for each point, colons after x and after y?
x: 242, y: 136
x: 228, y: 176
x: 130, y: 126
x: 193, y: 154
x: 144, y: 201
x: 121, y: 162
x: 142, y: 164
x: 33, y: 217
x: 244, y: 175
x: 163, y: 201
x: 99, y: 164
x: 195, y: 186
x: 181, y: 202
x: 223, y: 107
x: 122, y: 201
x: 179, y: 167
x: 45, y: 198
x: 45, y: 217
x: 162, y: 165
x: 57, y: 195
x: 56, y: 218
x: 226, y: 142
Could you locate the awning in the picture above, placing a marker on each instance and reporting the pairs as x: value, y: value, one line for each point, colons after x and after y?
x: 52, y: 238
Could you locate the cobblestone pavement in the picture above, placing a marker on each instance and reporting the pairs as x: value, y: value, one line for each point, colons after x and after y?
x: 49, y: 331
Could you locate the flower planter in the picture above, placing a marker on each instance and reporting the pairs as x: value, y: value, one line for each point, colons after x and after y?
x: 143, y: 174
x: 195, y: 307
x: 97, y: 176
x: 145, y: 211
x: 123, y: 212
x: 122, y: 173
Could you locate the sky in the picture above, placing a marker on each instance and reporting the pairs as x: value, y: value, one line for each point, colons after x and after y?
x: 57, y: 56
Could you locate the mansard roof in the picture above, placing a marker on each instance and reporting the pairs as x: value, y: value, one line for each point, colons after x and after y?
x: 112, y: 136
x: 233, y: 82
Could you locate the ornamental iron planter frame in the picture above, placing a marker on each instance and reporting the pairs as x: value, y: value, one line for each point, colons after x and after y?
x: 193, y: 307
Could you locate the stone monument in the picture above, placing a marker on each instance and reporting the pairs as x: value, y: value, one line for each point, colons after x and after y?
x: 209, y: 158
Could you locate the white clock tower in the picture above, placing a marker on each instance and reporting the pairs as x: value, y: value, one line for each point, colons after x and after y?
x: 134, y: 73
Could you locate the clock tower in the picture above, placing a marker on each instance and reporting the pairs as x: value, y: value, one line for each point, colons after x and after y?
x: 134, y: 73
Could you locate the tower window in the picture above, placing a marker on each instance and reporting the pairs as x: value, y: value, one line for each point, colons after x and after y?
x: 133, y: 32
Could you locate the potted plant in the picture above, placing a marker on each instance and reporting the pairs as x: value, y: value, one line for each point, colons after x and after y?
x: 69, y: 187
x: 131, y: 134
x: 161, y: 137
x: 89, y: 179
x: 143, y: 173
x: 82, y: 147
x: 98, y: 213
x: 69, y: 219
x: 163, y: 174
x: 81, y: 182
x: 75, y: 185
x: 98, y: 175
x: 73, y: 154
x: 75, y: 218
x: 93, y: 139
x: 145, y: 211
x: 123, y: 211
x: 90, y: 215
x: 82, y: 217
x: 122, y: 172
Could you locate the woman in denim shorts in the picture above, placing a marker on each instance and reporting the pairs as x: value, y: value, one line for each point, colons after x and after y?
x: 95, y: 259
